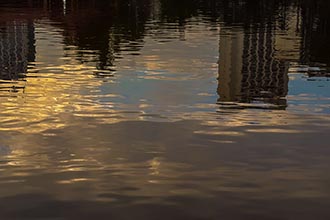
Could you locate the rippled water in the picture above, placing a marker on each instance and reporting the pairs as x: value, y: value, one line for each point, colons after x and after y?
x: 162, y: 109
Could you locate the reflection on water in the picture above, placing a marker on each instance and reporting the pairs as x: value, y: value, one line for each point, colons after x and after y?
x: 172, y: 110
x: 249, y: 70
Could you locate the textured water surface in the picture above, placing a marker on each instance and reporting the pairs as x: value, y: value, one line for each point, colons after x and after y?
x: 162, y: 109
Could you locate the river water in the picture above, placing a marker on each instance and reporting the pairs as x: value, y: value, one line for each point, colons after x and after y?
x: 163, y: 109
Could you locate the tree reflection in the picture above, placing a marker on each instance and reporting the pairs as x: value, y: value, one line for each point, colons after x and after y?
x: 315, y: 31
x: 110, y: 29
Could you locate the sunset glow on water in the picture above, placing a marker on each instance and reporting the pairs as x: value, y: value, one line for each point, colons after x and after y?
x: 159, y: 109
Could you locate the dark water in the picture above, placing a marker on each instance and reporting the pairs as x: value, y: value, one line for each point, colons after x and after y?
x: 163, y: 109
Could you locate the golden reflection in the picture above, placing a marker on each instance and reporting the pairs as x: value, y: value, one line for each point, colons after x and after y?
x: 51, y: 93
x: 155, y: 164
x: 276, y: 130
x: 226, y: 133
x: 75, y: 180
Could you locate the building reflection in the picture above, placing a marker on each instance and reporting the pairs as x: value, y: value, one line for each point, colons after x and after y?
x: 230, y: 64
x: 258, y: 42
x: 254, y: 60
x: 16, y: 48
x: 254, y: 55
x: 102, y: 28
x: 248, y: 69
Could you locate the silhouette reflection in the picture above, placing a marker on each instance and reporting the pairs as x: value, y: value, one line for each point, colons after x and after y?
x: 108, y: 26
x: 254, y: 55
x: 315, y: 32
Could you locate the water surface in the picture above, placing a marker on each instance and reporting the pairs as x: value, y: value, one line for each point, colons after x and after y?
x: 159, y: 109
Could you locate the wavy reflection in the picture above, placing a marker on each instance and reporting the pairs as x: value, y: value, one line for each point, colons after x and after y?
x: 162, y: 106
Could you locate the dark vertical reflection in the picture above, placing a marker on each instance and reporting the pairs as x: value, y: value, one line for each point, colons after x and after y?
x: 249, y: 70
x: 315, y: 31
x: 251, y: 66
x: 16, y: 48
x: 102, y: 26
